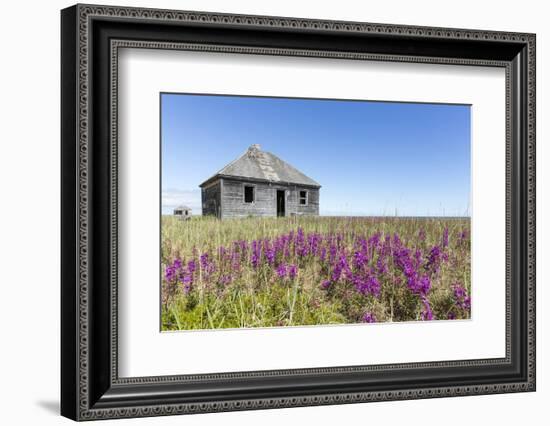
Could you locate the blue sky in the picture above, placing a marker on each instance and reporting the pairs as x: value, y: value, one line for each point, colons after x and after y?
x: 371, y: 158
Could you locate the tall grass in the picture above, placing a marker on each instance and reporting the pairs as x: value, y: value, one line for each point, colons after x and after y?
x: 264, y: 272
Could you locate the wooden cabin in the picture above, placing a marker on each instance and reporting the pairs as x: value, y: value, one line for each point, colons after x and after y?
x: 259, y: 183
x: 183, y: 212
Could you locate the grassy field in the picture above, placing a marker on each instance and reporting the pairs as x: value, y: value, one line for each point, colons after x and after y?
x: 273, y: 272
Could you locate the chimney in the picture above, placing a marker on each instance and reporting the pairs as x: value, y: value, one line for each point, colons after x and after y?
x: 253, y: 150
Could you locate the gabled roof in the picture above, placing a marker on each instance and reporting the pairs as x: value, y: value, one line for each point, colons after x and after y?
x: 182, y: 208
x: 256, y: 164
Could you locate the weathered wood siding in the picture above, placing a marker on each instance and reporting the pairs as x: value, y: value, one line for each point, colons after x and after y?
x: 211, y: 199
x: 233, y: 200
x: 293, y: 201
x: 265, y: 200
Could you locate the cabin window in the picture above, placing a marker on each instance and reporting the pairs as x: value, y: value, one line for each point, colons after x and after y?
x: 248, y: 194
x: 303, y: 198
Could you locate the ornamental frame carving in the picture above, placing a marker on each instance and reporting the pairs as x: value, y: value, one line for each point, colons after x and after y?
x: 91, y: 38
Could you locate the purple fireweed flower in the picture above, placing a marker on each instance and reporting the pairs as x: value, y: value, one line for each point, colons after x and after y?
x: 204, y: 261
x: 290, y: 236
x: 419, y: 285
x: 423, y: 285
x: 187, y: 282
x: 313, y: 242
x: 412, y: 284
x: 373, y: 286
x: 461, y: 297
x: 300, y: 238
x: 292, y: 271
x: 366, y: 285
x: 280, y: 246
x: 206, y: 265
x: 435, y: 258
x: 359, y: 259
x: 426, y: 314
x: 403, y: 261
x: 386, y: 246
x: 281, y: 270
x: 369, y: 317
x: 256, y: 254
x: 225, y: 280
x: 459, y: 291
x: 362, y: 246
x: 360, y: 283
x: 240, y: 246
x: 326, y: 284
x: 396, y: 240
x: 269, y: 252
x: 323, y: 254
x: 333, y: 251
x: 174, y: 270
x: 445, y: 241
x: 340, y: 266
x: 302, y: 251
x: 191, y: 266
x: 381, y: 266
x: 374, y: 240
x: 417, y: 257
x: 422, y: 235
x: 451, y: 316
x: 286, y: 253
x: 169, y: 273
x: 236, y: 261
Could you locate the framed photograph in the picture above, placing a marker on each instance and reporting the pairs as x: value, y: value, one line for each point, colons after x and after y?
x: 263, y: 212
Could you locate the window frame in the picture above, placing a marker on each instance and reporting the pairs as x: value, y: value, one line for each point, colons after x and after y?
x: 306, y: 198
x: 253, y: 193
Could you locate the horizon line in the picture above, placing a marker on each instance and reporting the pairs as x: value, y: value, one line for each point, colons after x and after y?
x: 350, y: 216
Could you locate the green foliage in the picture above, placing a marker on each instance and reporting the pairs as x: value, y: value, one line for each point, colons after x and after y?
x: 260, y: 299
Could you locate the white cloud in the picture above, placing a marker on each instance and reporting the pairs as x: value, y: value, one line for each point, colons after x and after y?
x: 172, y: 198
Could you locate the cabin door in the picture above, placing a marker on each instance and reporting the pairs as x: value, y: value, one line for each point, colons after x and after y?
x: 281, y: 203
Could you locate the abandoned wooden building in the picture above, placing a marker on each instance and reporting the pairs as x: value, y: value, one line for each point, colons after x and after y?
x: 259, y: 183
x: 183, y: 212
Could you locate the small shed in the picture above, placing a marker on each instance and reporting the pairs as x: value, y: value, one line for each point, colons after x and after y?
x: 183, y: 212
x: 258, y: 183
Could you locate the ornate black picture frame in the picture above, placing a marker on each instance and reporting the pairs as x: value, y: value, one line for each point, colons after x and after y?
x: 91, y: 36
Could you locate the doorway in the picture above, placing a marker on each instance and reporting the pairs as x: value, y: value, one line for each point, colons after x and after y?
x: 280, y: 203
